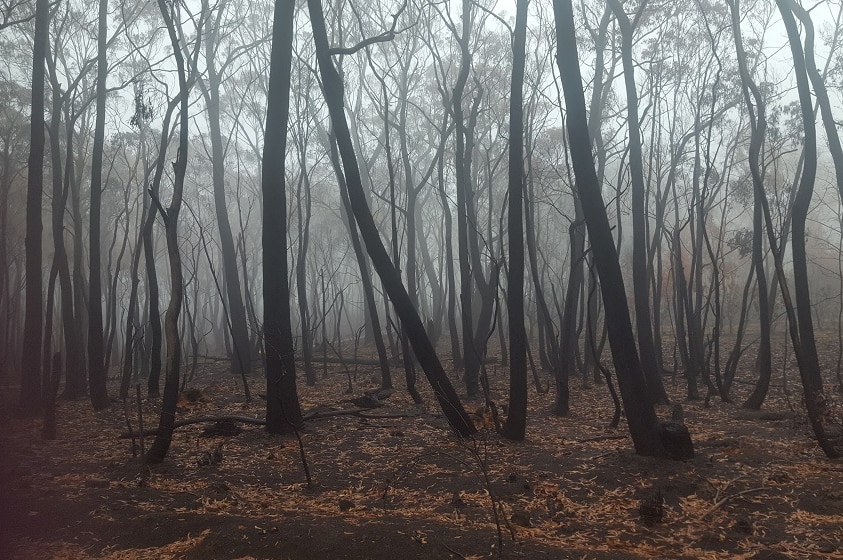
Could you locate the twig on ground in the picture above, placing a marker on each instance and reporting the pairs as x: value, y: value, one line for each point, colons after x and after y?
x: 725, y: 499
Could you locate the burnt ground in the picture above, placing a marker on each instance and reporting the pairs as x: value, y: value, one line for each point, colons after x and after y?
x: 402, y: 486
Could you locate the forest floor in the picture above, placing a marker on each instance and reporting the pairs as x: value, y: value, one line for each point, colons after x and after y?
x: 402, y: 486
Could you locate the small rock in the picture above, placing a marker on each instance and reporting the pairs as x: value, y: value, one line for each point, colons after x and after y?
x: 521, y: 518
x: 345, y: 505
x: 651, y: 509
x: 219, y: 488
x: 826, y: 547
x: 744, y: 526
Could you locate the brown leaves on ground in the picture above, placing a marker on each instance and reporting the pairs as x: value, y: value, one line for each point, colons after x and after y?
x: 404, y: 487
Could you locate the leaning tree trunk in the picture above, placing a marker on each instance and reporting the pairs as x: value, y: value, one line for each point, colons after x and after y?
x: 390, y: 278
x: 365, y: 277
x: 648, y: 435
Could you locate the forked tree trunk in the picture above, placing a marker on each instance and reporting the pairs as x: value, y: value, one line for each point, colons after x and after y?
x: 75, y: 358
x: 166, y: 423
x: 758, y: 123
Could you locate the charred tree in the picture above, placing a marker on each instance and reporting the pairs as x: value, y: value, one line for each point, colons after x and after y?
x: 283, y: 412
x: 166, y: 423
x: 756, y: 108
x: 241, y: 359
x: 390, y: 278
x: 30, y: 395
x: 648, y: 435
x: 516, y: 421
x: 809, y: 367
x: 640, y: 261
x: 97, y: 376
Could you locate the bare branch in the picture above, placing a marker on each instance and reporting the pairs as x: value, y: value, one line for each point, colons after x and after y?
x: 382, y: 38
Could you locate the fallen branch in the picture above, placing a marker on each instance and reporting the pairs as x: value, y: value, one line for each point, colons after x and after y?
x: 722, y: 501
x: 313, y: 415
x: 358, y: 412
x: 382, y: 416
x: 199, y: 420
x: 599, y: 438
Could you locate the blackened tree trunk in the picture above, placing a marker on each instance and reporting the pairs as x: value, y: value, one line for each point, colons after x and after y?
x: 547, y: 332
x: 241, y: 359
x: 30, y: 395
x: 809, y: 367
x: 568, y: 335
x: 516, y: 421
x: 365, y: 277
x: 640, y: 260
x: 304, y: 213
x: 140, y: 119
x: 153, y: 382
x: 283, y: 412
x: 73, y: 352
x: 166, y: 423
x: 131, y: 312
x: 641, y: 417
x: 113, y: 269
x: 471, y: 360
x: 390, y: 278
x: 97, y: 376
x: 153, y: 309
x: 755, y: 106
x: 821, y: 92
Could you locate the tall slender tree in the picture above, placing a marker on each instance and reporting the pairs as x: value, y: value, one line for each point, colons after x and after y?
x: 166, y: 423
x: 647, y: 435
x: 640, y: 274
x: 30, y: 397
x: 283, y: 412
x: 809, y: 366
x: 516, y: 421
x: 332, y: 90
x: 756, y: 108
x: 241, y: 360
x: 97, y: 376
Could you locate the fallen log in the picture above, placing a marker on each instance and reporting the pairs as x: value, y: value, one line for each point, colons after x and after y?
x: 312, y: 415
x: 198, y: 420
